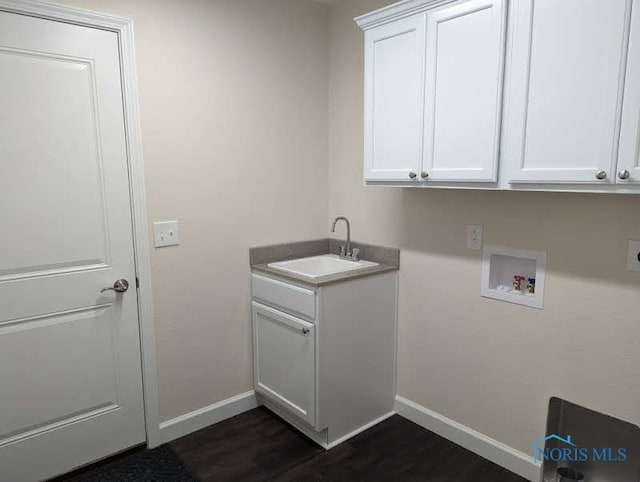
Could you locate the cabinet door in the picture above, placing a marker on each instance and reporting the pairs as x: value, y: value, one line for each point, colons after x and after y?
x: 463, y: 90
x: 284, y: 359
x: 566, y: 78
x: 629, y: 153
x: 394, y: 75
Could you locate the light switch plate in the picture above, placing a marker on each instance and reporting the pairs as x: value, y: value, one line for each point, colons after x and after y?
x: 165, y: 233
x: 474, y: 237
x: 633, y: 256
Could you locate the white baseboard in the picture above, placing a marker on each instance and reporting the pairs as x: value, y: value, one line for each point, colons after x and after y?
x: 318, y: 437
x: 321, y: 437
x: 497, y: 452
x: 203, y: 417
x: 346, y: 437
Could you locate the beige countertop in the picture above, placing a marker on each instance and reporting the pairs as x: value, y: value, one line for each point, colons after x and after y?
x: 323, y: 280
x: 388, y: 259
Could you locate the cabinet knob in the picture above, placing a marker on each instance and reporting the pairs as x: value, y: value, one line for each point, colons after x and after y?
x: 424, y: 175
x: 413, y: 175
x: 600, y: 175
x: 624, y: 174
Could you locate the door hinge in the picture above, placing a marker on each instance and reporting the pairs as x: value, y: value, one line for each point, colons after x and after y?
x: 137, y: 282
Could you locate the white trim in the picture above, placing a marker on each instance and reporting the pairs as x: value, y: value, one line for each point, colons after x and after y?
x: 58, y: 12
x: 396, y: 11
x: 123, y: 27
x: 497, y: 452
x: 504, y: 186
x: 142, y: 247
x: 203, y: 417
x: 141, y: 244
x: 359, y: 430
x: 319, y: 437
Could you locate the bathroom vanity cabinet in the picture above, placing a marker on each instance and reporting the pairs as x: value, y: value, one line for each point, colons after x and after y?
x: 504, y: 94
x: 324, y: 356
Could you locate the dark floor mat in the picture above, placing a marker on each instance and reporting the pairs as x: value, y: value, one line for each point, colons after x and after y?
x: 157, y: 465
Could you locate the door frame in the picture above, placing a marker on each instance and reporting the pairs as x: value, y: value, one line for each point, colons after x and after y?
x: 123, y: 27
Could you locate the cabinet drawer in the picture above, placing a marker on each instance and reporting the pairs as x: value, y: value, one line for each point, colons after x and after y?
x: 293, y: 299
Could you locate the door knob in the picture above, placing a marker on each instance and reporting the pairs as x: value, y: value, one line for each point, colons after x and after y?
x: 600, y: 175
x: 424, y: 174
x: 412, y: 175
x: 120, y: 286
x: 624, y: 174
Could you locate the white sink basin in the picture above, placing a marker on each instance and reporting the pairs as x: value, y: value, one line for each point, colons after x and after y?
x: 323, y: 265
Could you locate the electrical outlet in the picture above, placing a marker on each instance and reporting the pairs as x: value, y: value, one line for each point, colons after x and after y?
x: 633, y: 256
x: 165, y: 233
x: 474, y: 237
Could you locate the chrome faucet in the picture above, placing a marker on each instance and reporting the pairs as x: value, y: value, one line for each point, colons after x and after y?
x: 346, y: 253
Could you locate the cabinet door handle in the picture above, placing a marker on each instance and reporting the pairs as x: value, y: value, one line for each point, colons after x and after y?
x: 413, y: 175
x: 424, y: 174
x: 305, y: 331
x: 600, y: 175
x: 624, y: 174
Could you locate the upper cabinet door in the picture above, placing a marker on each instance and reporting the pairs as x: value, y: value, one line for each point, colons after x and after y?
x: 566, y: 80
x: 394, y: 79
x: 629, y: 153
x: 463, y: 91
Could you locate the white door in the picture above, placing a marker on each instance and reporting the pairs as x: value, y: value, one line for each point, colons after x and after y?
x: 394, y: 78
x: 463, y: 91
x: 629, y: 154
x: 284, y: 360
x: 566, y: 79
x: 70, y: 367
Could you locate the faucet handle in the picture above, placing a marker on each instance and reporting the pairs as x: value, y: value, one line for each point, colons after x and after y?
x: 342, y: 251
x: 355, y: 254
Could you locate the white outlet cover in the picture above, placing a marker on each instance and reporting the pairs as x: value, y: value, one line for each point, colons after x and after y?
x: 633, y: 256
x: 474, y: 237
x: 166, y: 233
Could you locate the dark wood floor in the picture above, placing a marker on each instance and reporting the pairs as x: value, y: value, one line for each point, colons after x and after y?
x: 258, y: 446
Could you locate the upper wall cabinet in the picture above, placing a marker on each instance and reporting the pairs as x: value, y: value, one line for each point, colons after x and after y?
x: 566, y: 117
x: 463, y: 91
x: 433, y: 91
x: 629, y: 152
x: 393, y: 91
x: 566, y: 90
